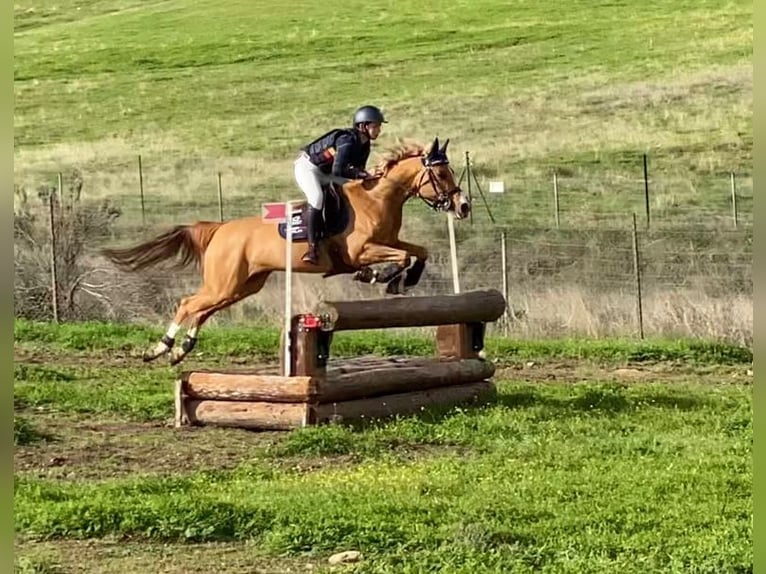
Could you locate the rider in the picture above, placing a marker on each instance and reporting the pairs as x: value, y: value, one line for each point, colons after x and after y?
x: 334, y: 157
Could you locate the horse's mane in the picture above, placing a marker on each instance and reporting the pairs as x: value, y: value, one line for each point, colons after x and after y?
x: 402, y: 150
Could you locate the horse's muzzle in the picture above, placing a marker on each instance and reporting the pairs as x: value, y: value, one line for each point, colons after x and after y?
x: 463, y: 208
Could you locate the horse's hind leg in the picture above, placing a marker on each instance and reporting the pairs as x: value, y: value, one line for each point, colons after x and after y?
x: 202, y: 309
x: 165, y: 344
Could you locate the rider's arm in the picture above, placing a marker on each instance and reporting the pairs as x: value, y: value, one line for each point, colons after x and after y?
x: 344, y: 153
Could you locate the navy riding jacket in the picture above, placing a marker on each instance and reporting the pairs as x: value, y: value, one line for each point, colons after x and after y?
x: 339, y: 152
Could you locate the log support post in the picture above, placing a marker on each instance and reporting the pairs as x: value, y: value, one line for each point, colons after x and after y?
x: 462, y: 341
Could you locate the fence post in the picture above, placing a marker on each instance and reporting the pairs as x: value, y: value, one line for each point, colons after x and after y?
x: 61, y: 191
x: 646, y: 190
x: 468, y: 178
x: 220, y: 198
x: 733, y: 199
x: 141, y: 190
x: 637, y: 272
x: 504, y: 263
x: 54, y: 273
x: 556, y: 198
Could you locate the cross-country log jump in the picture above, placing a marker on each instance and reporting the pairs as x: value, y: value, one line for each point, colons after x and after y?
x: 236, y: 257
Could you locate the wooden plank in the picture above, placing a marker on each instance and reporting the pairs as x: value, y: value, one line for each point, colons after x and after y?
x: 403, y: 403
x: 470, y: 307
x: 249, y: 414
x: 391, y: 379
x: 248, y: 387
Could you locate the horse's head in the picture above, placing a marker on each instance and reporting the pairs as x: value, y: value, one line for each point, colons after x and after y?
x: 436, y: 183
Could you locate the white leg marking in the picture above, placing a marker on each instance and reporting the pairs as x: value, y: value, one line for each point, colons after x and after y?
x: 172, y: 330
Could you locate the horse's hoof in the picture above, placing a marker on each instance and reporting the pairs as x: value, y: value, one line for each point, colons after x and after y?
x: 396, y: 286
x: 366, y: 275
x: 176, y: 357
x: 154, y: 352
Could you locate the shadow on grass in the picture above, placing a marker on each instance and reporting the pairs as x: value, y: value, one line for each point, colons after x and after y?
x: 26, y: 433
x: 603, y: 401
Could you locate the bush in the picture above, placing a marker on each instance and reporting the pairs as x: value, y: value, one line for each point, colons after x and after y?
x: 76, y: 225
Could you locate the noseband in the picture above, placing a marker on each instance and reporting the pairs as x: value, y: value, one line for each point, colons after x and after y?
x: 443, y: 198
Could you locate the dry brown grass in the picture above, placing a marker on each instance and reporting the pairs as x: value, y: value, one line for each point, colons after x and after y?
x: 576, y: 311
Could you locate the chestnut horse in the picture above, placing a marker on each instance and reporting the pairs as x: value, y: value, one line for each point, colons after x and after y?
x: 236, y: 257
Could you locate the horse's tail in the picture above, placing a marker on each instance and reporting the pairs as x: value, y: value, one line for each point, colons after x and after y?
x: 187, y: 241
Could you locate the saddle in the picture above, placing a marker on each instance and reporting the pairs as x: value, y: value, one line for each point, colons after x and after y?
x: 335, y: 211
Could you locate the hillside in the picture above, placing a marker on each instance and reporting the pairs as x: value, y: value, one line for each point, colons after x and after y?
x: 198, y: 87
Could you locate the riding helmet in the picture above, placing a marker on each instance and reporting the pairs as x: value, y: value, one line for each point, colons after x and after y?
x: 368, y: 114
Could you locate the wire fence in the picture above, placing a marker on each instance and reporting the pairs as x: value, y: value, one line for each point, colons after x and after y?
x: 575, y: 272
x: 668, y: 189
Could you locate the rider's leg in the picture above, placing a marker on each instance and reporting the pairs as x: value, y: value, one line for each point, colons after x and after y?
x: 308, y: 177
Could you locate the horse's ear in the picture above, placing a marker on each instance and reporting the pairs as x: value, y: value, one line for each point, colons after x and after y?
x: 434, y: 148
x: 443, y: 149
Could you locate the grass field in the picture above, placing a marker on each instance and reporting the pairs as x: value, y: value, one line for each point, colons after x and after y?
x: 199, y: 87
x: 596, y: 457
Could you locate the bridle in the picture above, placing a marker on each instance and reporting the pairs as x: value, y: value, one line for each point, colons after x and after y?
x: 443, y: 199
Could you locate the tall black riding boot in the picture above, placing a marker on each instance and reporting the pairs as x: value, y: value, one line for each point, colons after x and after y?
x: 314, y: 228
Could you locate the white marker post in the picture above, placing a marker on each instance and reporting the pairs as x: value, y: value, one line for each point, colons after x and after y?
x: 453, y: 252
x: 278, y: 213
x: 288, y: 283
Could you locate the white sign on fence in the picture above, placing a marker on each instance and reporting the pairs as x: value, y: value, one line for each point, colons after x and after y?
x: 496, y: 187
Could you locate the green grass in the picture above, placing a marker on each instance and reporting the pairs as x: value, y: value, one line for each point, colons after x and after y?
x: 591, y: 478
x: 132, y: 394
x: 262, y: 343
x: 200, y: 86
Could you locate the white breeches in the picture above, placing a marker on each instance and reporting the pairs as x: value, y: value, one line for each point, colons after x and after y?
x: 310, y: 180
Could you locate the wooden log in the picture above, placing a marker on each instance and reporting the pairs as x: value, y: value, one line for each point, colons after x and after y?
x: 362, y: 365
x: 247, y: 414
x: 470, y: 307
x: 248, y: 387
x: 402, y: 403
x: 417, y: 375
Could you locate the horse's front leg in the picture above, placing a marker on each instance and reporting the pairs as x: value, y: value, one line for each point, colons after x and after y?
x: 414, y: 273
x: 398, y: 258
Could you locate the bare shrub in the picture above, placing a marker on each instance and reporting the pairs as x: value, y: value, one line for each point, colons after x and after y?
x: 76, y: 226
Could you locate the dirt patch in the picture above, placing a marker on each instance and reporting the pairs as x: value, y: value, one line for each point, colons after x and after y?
x: 563, y: 370
x: 129, y: 359
x: 574, y: 371
x: 86, y: 449
x: 119, y: 557
x: 92, y: 450
x: 39, y: 357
